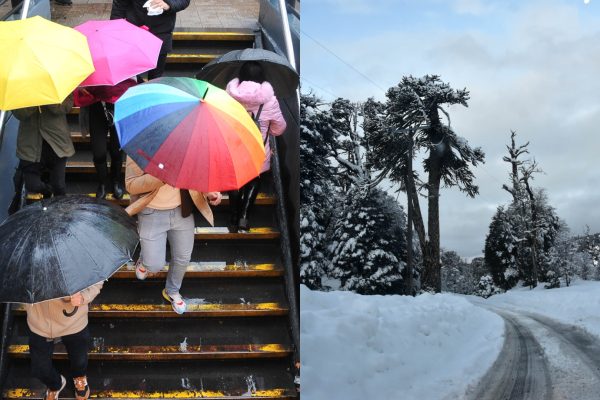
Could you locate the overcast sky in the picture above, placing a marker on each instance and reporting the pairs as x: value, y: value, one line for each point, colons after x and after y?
x: 531, y: 66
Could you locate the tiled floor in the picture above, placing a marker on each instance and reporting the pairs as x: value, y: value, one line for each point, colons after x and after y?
x: 200, y: 14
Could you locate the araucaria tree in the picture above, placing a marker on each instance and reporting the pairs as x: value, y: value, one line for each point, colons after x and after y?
x: 410, y: 123
x: 520, y: 242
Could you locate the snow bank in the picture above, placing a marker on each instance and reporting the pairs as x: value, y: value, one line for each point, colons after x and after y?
x: 578, y: 304
x: 394, y: 347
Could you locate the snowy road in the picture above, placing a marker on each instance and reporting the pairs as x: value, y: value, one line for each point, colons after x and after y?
x: 541, y: 359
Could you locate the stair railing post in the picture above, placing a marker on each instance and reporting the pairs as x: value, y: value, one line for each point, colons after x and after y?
x: 25, y: 9
x: 4, y: 339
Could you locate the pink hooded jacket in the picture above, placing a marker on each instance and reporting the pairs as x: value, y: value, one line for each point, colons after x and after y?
x: 251, y: 95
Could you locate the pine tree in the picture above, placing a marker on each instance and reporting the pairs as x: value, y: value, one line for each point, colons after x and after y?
x: 316, y: 172
x: 367, y: 249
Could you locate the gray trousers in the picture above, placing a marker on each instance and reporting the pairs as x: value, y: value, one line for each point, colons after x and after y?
x: 155, y: 228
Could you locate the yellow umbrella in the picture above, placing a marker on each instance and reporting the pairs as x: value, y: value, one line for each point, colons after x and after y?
x: 42, y: 62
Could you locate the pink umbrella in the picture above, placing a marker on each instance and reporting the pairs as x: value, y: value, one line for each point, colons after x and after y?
x: 119, y: 50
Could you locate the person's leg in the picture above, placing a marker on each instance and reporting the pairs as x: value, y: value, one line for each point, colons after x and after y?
x: 98, y: 132
x: 40, y: 352
x: 160, y: 67
x: 32, y: 175
x: 250, y: 192
x: 234, y: 210
x: 181, y: 242
x: 116, y: 159
x: 152, y: 226
x: 57, y: 166
x: 78, y: 345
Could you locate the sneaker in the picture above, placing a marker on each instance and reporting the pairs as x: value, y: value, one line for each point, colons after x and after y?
x: 176, y: 301
x: 53, y: 394
x: 82, y: 390
x: 140, y: 271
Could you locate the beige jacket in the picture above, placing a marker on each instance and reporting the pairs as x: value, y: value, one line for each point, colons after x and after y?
x: 143, y: 188
x: 47, y: 319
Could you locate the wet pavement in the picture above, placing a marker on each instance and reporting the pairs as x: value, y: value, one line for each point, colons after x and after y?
x: 203, y: 14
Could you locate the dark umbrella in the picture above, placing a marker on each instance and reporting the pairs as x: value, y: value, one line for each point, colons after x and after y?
x: 278, y: 71
x: 57, y: 247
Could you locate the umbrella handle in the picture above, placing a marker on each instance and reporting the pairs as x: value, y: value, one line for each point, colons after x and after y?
x: 70, y: 314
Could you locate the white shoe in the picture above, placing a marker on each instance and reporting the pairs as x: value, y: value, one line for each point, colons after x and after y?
x: 53, y: 394
x: 141, y: 272
x: 176, y: 301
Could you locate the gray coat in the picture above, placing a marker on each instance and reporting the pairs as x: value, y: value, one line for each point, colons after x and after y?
x: 48, y: 123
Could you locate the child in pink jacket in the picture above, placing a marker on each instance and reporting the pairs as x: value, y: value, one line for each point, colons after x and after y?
x: 258, y: 98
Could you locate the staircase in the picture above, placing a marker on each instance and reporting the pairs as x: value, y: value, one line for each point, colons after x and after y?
x: 234, y: 341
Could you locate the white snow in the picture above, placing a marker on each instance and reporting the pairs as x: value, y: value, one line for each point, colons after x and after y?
x: 394, y: 347
x: 577, y: 304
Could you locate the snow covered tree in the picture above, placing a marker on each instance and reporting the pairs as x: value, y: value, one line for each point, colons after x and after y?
x: 316, y: 193
x: 412, y: 122
x: 522, y: 235
x: 457, y: 274
x: 367, y: 244
x: 501, y: 248
x: 486, y: 287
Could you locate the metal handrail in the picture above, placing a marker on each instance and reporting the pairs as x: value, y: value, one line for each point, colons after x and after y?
x: 285, y: 244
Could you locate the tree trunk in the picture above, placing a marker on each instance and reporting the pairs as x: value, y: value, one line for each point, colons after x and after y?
x: 432, y: 278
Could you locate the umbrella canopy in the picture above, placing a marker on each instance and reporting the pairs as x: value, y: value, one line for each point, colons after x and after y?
x: 44, y: 62
x: 278, y: 71
x: 57, y: 247
x: 119, y: 50
x: 189, y: 134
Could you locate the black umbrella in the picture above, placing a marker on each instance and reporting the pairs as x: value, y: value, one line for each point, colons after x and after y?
x: 57, y: 247
x: 278, y: 71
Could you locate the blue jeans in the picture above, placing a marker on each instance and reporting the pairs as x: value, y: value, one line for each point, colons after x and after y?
x: 155, y: 228
x: 41, y: 349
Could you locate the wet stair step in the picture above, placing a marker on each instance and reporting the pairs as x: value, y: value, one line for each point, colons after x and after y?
x: 190, y: 331
x: 193, y: 310
x: 263, y: 199
x: 157, y: 353
x: 210, y: 270
x: 188, y: 379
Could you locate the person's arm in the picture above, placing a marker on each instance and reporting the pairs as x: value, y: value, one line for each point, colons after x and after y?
x: 277, y: 121
x: 119, y: 9
x: 24, y: 113
x: 87, y: 295
x: 62, y: 108
x: 136, y: 181
x: 177, y: 5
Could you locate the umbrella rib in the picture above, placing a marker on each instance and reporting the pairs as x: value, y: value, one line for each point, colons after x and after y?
x: 88, y: 253
x: 47, y: 70
x: 57, y: 255
x: 21, y: 253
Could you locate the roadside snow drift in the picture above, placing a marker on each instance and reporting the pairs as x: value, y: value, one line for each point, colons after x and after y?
x: 394, y: 347
x: 578, y: 304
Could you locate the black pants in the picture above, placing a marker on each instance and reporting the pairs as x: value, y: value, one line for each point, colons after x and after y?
x: 15, y: 3
x: 160, y: 67
x: 32, y: 173
x: 100, y: 127
x: 41, y: 350
x: 240, y: 201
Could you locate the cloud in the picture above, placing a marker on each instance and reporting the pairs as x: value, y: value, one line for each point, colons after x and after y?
x: 532, y: 68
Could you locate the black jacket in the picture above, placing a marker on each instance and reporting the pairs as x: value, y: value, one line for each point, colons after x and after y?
x: 160, y: 25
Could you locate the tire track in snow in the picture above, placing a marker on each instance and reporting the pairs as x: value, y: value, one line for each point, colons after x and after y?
x: 521, y: 370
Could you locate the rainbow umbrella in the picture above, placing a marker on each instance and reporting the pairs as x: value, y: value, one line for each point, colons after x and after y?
x: 119, y: 50
x: 189, y: 134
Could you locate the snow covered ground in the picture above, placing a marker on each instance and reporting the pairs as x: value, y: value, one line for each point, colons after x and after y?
x: 578, y: 304
x: 394, y: 347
